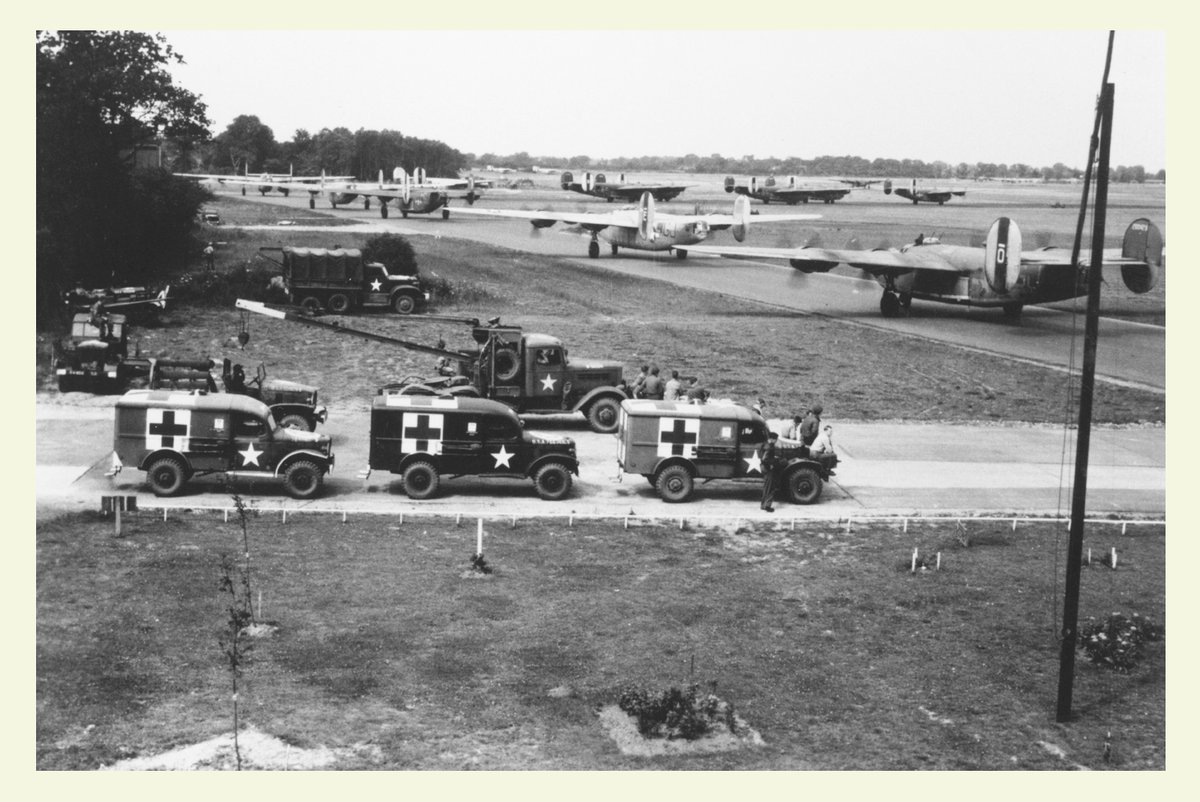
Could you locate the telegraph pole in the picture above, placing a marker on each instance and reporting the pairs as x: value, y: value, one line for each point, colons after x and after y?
x: 1066, y: 675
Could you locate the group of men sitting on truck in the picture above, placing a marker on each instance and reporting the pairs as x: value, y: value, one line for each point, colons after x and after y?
x: 650, y: 384
x: 807, y: 428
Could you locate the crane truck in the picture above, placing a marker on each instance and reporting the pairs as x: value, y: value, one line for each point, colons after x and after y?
x: 529, y: 372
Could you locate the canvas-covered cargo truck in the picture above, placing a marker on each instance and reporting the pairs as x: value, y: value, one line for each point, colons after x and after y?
x: 341, y: 281
x: 674, y: 443
x: 173, y: 436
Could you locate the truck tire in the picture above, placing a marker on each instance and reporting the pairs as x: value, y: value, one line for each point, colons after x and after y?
x: 603, y: 415
x: 420, y: 480
x: 803, y: 485
x: 166, y: 476
x: 339, y: 303
x: 295, y: 421
x: 553, y: 481
x: 311, y: 304
x: 404, y: 304
x: 508, y: 364
x: 302, y: 479
x: 674, y: 484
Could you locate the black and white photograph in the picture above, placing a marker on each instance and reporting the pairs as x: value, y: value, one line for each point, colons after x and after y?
x: 541, y: 396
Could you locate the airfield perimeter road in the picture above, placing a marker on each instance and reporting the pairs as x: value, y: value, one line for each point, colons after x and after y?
x: 1129, y: 353
x: 886, y: 470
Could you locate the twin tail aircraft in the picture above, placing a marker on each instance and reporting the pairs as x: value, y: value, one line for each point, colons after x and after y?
x: 642, y: 228
x: 1000, y: 274
x: 596, y: 185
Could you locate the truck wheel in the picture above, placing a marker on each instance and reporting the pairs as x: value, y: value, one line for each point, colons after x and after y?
x: 404, y: 304
x: 311, y: 304
x: 66, y: 384
x: 295, y: 421
x: 166, y: 476
x: 339, y: 303
x: 420, y: 480
x: 603, y: 414
x: 674, y: 484
x: 507, y: 364
x: 302, y: 479
x: 803, y: 485
x: 553, y: 481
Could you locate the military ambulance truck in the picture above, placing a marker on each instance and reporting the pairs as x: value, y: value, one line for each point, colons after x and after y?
x: 173, y: 436
x: 674, y: 443
x: 422, y: 437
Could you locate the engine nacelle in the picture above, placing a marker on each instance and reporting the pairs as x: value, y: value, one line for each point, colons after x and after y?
x: 812, y: 267
x: 887, y: 187
x: 1144, y: 241
x: 730, y: 183
x: 542, y: 223
x: 1002, y: 256
x: 342, y: 197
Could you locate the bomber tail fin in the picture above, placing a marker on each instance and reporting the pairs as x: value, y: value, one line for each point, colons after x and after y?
x: 1143, y: 241
x: 730, y: 183
x: 1002, y: 258
x: 646, y: 216
x: 741, y: 217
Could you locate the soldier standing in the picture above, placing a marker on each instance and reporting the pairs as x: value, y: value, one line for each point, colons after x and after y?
x: 811, y: 426
x: 653, y: 386
x: 208, y: 256
x: 770, y: 472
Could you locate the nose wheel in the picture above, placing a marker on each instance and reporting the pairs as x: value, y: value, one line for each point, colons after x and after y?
x: 593, y: 249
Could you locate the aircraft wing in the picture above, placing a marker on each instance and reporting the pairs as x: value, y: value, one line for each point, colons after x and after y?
x: 874, y: 262
x: 624, y: 218
x: 632, y: 192
x: 720, y: 222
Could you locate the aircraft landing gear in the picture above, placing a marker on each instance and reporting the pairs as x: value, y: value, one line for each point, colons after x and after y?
x: 1013, y: 310
x: 383, y: 209
x: 312, y: 202
x: 905, y: 302
x: 445, y: 214
x: 614, y: 248
x: 366, y: 202
x: 593, y: 249
x: 680, y: 253
x: 889, y: 304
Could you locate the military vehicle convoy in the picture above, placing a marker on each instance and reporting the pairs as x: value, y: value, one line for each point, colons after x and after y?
x: 422, y: 437
x: 673, y: 443
x: 530, y: 373
x: 173, y: 436
x: 340, y: 281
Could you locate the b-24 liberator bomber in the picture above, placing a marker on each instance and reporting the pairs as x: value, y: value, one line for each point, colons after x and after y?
x: 597, y: 185
x: 1000, y: 274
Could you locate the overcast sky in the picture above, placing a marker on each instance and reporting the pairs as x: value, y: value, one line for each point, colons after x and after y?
x: 955, y: 96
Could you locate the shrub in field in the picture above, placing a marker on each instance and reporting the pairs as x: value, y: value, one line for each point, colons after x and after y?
x: 443, y: 292
x: 1117, y: 641
x: 207, y: 288
x: 676, y: 713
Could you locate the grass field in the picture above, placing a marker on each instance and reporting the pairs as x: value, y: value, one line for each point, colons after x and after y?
x: 387, y: 654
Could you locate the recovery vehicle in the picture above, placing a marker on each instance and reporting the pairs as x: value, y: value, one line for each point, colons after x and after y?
x: 340, y: 281
x: 94, y: 356
x: 530, y: 373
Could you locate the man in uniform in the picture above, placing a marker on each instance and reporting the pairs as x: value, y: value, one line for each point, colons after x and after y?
x: 770, y: 472
x: 811, y: 426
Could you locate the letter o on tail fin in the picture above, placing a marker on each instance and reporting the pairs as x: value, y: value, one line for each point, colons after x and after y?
x: 1002, y: 258
x: 1144, y: 241
x: 741, y: 217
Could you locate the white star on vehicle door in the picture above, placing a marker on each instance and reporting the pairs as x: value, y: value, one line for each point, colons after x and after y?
x: 502, y: 457
x: 250, y: 455
x: 548, y: 383
x: 753, y: 462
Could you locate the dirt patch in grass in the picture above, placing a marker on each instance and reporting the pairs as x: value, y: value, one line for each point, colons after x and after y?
x: 387, y: 658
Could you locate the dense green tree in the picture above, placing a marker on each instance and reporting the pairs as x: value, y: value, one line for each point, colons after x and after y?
x: 394, y: 251
x: 101, y: 95
x: 245, y: 145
